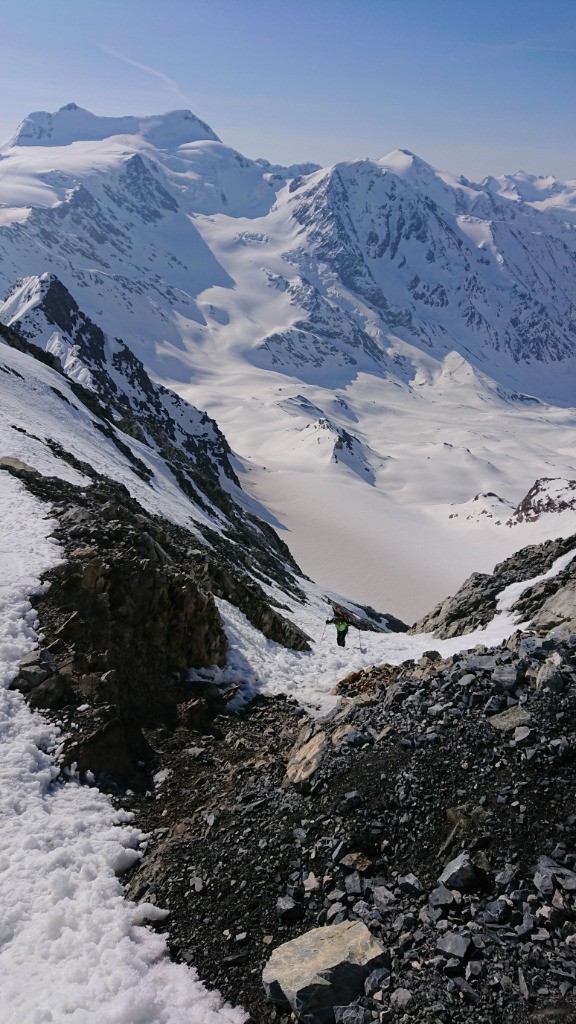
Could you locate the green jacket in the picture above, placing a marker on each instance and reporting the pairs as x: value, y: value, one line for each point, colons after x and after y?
x: 340, y: 624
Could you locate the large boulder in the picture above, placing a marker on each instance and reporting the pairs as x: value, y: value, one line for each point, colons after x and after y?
x: 323, y: 968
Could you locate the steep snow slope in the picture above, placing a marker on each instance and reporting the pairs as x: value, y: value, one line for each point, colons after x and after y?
x: 167, y: 455
x: 44, y: 424
x: 380, y: 342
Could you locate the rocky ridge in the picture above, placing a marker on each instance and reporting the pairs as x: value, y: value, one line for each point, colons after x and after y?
x: 43, y: 311
x: 475, y: 603
x: 546, y: 495
x: 433, y: 806
x: 124, y: 403
x: 128, y: 613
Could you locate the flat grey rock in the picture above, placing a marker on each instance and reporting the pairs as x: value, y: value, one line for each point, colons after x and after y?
x: 511, y: 719
x: 324, y: 968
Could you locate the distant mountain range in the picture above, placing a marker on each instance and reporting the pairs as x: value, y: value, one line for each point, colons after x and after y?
x: 380, y: 342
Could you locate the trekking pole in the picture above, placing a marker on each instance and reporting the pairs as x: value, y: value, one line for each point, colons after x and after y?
x: 359, y: 643
x: 323, y: 631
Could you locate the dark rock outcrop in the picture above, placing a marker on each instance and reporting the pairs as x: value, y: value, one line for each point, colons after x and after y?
x: 474, y: 605
x: 547, y: 494
x: 126, y: 616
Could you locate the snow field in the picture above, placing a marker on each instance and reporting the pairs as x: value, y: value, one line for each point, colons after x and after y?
x: 431, y: 440
x: 392, y: 545
x: 71, y: 947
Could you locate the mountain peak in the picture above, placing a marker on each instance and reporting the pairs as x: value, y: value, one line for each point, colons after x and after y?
x: 406, y: 163
x: 72, y: 123
x: 26, y: 294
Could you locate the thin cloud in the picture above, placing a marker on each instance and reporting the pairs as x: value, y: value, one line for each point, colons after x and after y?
x: 167, y: 82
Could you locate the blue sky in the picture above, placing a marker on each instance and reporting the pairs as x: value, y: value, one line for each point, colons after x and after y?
x: 474, y: 87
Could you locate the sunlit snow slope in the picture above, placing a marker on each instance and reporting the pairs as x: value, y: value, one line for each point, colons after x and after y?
x: 380, y: 342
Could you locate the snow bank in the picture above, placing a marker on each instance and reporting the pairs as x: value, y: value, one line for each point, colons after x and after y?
x: 72, y: 948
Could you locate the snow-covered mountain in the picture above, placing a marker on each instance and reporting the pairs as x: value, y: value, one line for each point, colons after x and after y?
x: 380, y: 342
x: 398, y: 433
x: 86, y: 412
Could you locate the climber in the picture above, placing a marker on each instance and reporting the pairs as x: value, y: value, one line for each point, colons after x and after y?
x: 341, y: 623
